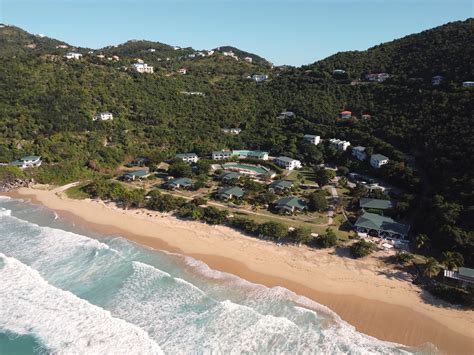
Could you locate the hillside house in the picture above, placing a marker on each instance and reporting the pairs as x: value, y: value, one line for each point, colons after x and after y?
x: 338, y: 72
x: 179, y: 183
x: 187, y: 157
x: 183, y: 71
x: 248, y: 59
x: 376, y: 204
x: 380, y: 226
x: 221, y: 154
x: 228, y: 176
x: 378, y: 160
x: 437, y: 80
x: 28, y: 161
x: 258, y: 78
x: 346, y: 114
x: 290, y: 204
x: 339, y: 144
x: 136, y: 175
x: 228, y: 193
x: 468, y: 84
x: 280, y: 185
x: 288, y: 163
x: 366, y: 116
x: 465, y: 276
x: 142, y: 68
x: 103, y: 116
x: 286, y: 115
x: 377, y: 77
x: 233, y: 131
x: 73, y: 55
x: 312, y: 139
x: 359, y: 152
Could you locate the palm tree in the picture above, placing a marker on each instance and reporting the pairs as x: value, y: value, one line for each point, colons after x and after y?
x: 421, y: 241
x: 432, y: 267
x: 403, y: 258
x: 452, y: 260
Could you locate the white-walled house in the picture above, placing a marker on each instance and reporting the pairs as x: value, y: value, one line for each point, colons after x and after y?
x: 183, y: 71
x: 339, y: 144
x: 143, y: 68
x: 103, y: 116
x: 312, y: 139
x: 234, y: 131
x: 468, y: 83
x: 73, y: 55
x: 248, y: 59
x: 259, y: 77
x: 288, y: 163
x: 359, y: 153
x: 188, y: 157
x: 29, y: 161
x: 378, y: 160
x: 284, y: 115
x: 221, y: 154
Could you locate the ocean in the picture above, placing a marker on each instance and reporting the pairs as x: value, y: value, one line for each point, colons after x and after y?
x: 66, y: 290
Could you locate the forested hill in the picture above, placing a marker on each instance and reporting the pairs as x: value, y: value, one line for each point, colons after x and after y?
x: 47, y: 104
x: 444, y: 50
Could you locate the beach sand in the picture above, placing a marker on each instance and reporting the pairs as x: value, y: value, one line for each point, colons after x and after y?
x: 369, y: 294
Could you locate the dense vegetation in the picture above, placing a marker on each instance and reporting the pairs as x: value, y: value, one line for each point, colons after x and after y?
x: 46, y: 106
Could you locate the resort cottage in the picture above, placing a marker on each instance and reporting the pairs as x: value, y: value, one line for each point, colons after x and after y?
x: 73, y: 55
x: 286, y: 115
x: 136, y: 175
x: 380, y: 226
x: 228, y: 193
x: 290, y: 205
x: 228, y: 176
x: 103, y: 116
x: 280, y: 185
x: 359, y: 153
x: 377, y: 160
x: 187, y: 157
x: 437, y: 80
x: 29, y: 161
x: 465, y: 276
x: 221, y: 154
x: 312, y: 139
x: 468, y: 84
x: 288, y: 163
x: 376, y: 204
x: 179, y: 183
x: 142, y: 68
x: 258, y: 78
x: 338, y: 144
x: 377, y: 77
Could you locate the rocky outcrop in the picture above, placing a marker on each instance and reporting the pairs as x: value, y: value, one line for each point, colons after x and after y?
x: 6, y: 186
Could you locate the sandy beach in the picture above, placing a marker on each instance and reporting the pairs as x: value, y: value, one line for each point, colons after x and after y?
x: 372, y: 296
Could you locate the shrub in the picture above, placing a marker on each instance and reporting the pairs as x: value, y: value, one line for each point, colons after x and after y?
x: 328, y: 239
x: 362, y: 248
x: 214, y: 215
x: 300, y: 235
x: 273, y: 230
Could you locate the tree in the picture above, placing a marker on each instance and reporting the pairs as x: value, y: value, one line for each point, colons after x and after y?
x: 317, y: 201
x: 268, y: 197
x: 202, y: 167
x: 323, y: 176
x: 431, y: 268
x: 273, y: 230
x: 452, y: 260
x: 403, y: 258
x: 179, y: 168
x: 362, y: 248
x: 300, y: 235
x: 133, y: 198
x: 213, y: 215
x: 421, y: 241
x: 328, y: 239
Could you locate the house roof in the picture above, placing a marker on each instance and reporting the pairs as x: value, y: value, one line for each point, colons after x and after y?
x: 359, y: 148
x: 181, y: 182
x: 310, y: 136
x: 376, y: 203
x: 466, y: 272
x: 31, y: 157
x: 286, y: 159
x: 229, y: 175
x: 222, y: 152
x: 291, y: 202
x: 137, y: 173
x: 232, y: 190
x: 281, y: 184
x: 374, y: 221
x: 379, y: 157
x: 17, y: 163
x: 346, y: 113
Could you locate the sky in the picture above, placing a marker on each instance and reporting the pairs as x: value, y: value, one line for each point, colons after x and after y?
x: 293, y: 32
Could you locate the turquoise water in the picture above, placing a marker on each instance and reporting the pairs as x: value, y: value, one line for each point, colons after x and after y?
x: 66, y: 290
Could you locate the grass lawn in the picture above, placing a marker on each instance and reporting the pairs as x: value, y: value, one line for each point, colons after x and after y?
x: 306, y: 173
x: 76, y: 192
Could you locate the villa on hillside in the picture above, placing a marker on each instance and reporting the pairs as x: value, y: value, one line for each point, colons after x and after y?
x: 183, y: 71
x: 280, y: 185
x: 103, y: 116
x: 290, y: 204
x: 73, y: 55
x: 234, y: 131
x: 346, y: 114
x: 338, y: 72
x: 258, y: 78
x: 187, y: 157
x: 339, y: 144
x: 28, y: 161
x: 136, y: 175
x: 359, y: 152
x: 378, y: 160
x: 288, y: 163
x: 221, y: 154
x: 377, y: 77
x: 142, y: 68
x: 468, y: 83
x: 285, y: 115
x: 248, y: 59
x: 179, y: 183
x: 312, y: 139
x: 380, y: 226
x: 228, y: 193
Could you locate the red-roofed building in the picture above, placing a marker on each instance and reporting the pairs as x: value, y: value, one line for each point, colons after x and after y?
x: 346, y: 114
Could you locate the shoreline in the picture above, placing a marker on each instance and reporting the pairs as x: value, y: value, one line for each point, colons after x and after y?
x: 371, y: 296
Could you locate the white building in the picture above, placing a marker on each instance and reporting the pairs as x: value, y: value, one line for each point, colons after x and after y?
x: 377, y: 77
x: 233, y: 131
x: 339, y: 144
x: 73, y: 55
x: 152, y: 50
x: 437, y: 80
x: 377, y: 160
x: 221, y: 154
x: 288, y: 163
x: 29, y: 161
x: 143, y: 68
x: 359, y: 153
x: 468, y: 83
x: 182, y: 71
x: 312, y: 139
x: 188, y: 157
x: 259, y: 78
x: 103, y: 116
x: 248, y: 59
x: 286, y: 115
